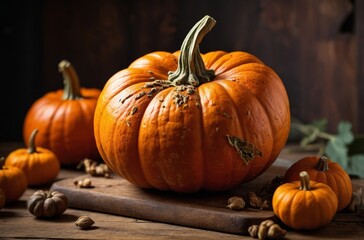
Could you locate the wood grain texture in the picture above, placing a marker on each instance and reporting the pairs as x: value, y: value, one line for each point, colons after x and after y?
x: 206, y: 210
x: 17, y: 223
x: 316, y: 48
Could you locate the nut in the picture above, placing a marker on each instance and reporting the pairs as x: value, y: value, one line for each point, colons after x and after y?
x: 236, y: 203
x: 84, y: 222
x: 84, y: 183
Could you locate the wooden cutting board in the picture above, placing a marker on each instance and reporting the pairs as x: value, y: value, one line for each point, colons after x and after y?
x: 204, y: 210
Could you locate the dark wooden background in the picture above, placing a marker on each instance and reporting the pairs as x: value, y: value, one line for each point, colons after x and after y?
x: 316, y: 46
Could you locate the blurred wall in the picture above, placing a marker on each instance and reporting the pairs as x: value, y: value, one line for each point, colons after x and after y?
x: 316, y: 46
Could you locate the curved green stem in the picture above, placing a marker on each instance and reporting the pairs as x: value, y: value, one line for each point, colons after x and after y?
x: 191, y: 68
x: 72, y: 88
x: 305, y: 181
x: 32, y: 148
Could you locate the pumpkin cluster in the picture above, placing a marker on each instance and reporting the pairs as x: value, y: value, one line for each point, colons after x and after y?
x: 187, y: 121
x: 314, y: 189
x: 64, y: 119
x: 57, y: 130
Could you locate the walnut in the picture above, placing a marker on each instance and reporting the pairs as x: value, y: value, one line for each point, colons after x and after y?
x: 236, y: 203
x: 84, y: 222
x: 84, y: 183
x: 94, y: 168
x: 267, y: 230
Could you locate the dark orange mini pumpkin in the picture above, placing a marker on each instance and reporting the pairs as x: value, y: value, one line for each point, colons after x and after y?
x: 40, y: 165
x: 64, y: 119
x: 323, y: 170
x: 13, y: 181
x: 187, y: 121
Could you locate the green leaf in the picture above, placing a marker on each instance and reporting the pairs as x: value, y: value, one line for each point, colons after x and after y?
x: 356, y: 165
x: 321, y: 124
x: 344, y: 132
x: 337, y: 151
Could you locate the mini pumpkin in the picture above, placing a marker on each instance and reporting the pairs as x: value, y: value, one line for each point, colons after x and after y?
x: 322, y: 169
x: 65, y: 119
x: 40, y: 165
x: 13, y: 181
x: 187, y: 121
x: 47, y: 203
x: 304, y: 204
x: 2, y: 199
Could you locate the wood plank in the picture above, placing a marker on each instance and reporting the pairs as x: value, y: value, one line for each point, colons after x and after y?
x: 205, y: 210
x: 17, y: 223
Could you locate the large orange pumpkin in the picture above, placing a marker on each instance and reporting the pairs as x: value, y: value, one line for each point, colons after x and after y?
x: 64, y: 119
x: 167, y: 122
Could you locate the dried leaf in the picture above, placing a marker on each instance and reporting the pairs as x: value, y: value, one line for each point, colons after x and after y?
x: 246, y: 149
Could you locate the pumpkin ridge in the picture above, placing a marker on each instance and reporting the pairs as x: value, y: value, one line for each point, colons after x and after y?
x: 296, y: 196
x: 85, y: 112
x: 123, y: 117
x: 203, y: 125
x: 196, y: 177
x: 316, y: 198
x: 48, y: 134
x: 269, y: 75
x: 267, y: 155
x: 65, y: 147
x: 161, y: 172
x: 128, y: 73
x: 211, y: 57
x: 144, y: 166
x: 230, y: 61
x: 158, y: 61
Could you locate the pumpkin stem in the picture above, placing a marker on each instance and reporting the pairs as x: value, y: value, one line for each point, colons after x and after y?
x: 49, y: 194
x: 323, y: 164
x: 32, y: 148
x: 191, y: 68
x: 305, y: 181
x: 72, y: 89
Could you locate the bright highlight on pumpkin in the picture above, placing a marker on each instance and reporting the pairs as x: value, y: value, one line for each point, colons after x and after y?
x: 163, y: 122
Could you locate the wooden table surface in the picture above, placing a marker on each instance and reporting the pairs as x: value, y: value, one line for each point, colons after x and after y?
x: 17, y: 223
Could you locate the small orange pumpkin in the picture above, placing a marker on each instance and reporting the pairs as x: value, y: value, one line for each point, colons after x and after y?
x: 304, y: 204
x: 322, y: 169
x: 40, y: 165
x: 65, y: 119
x: 12, y: 181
